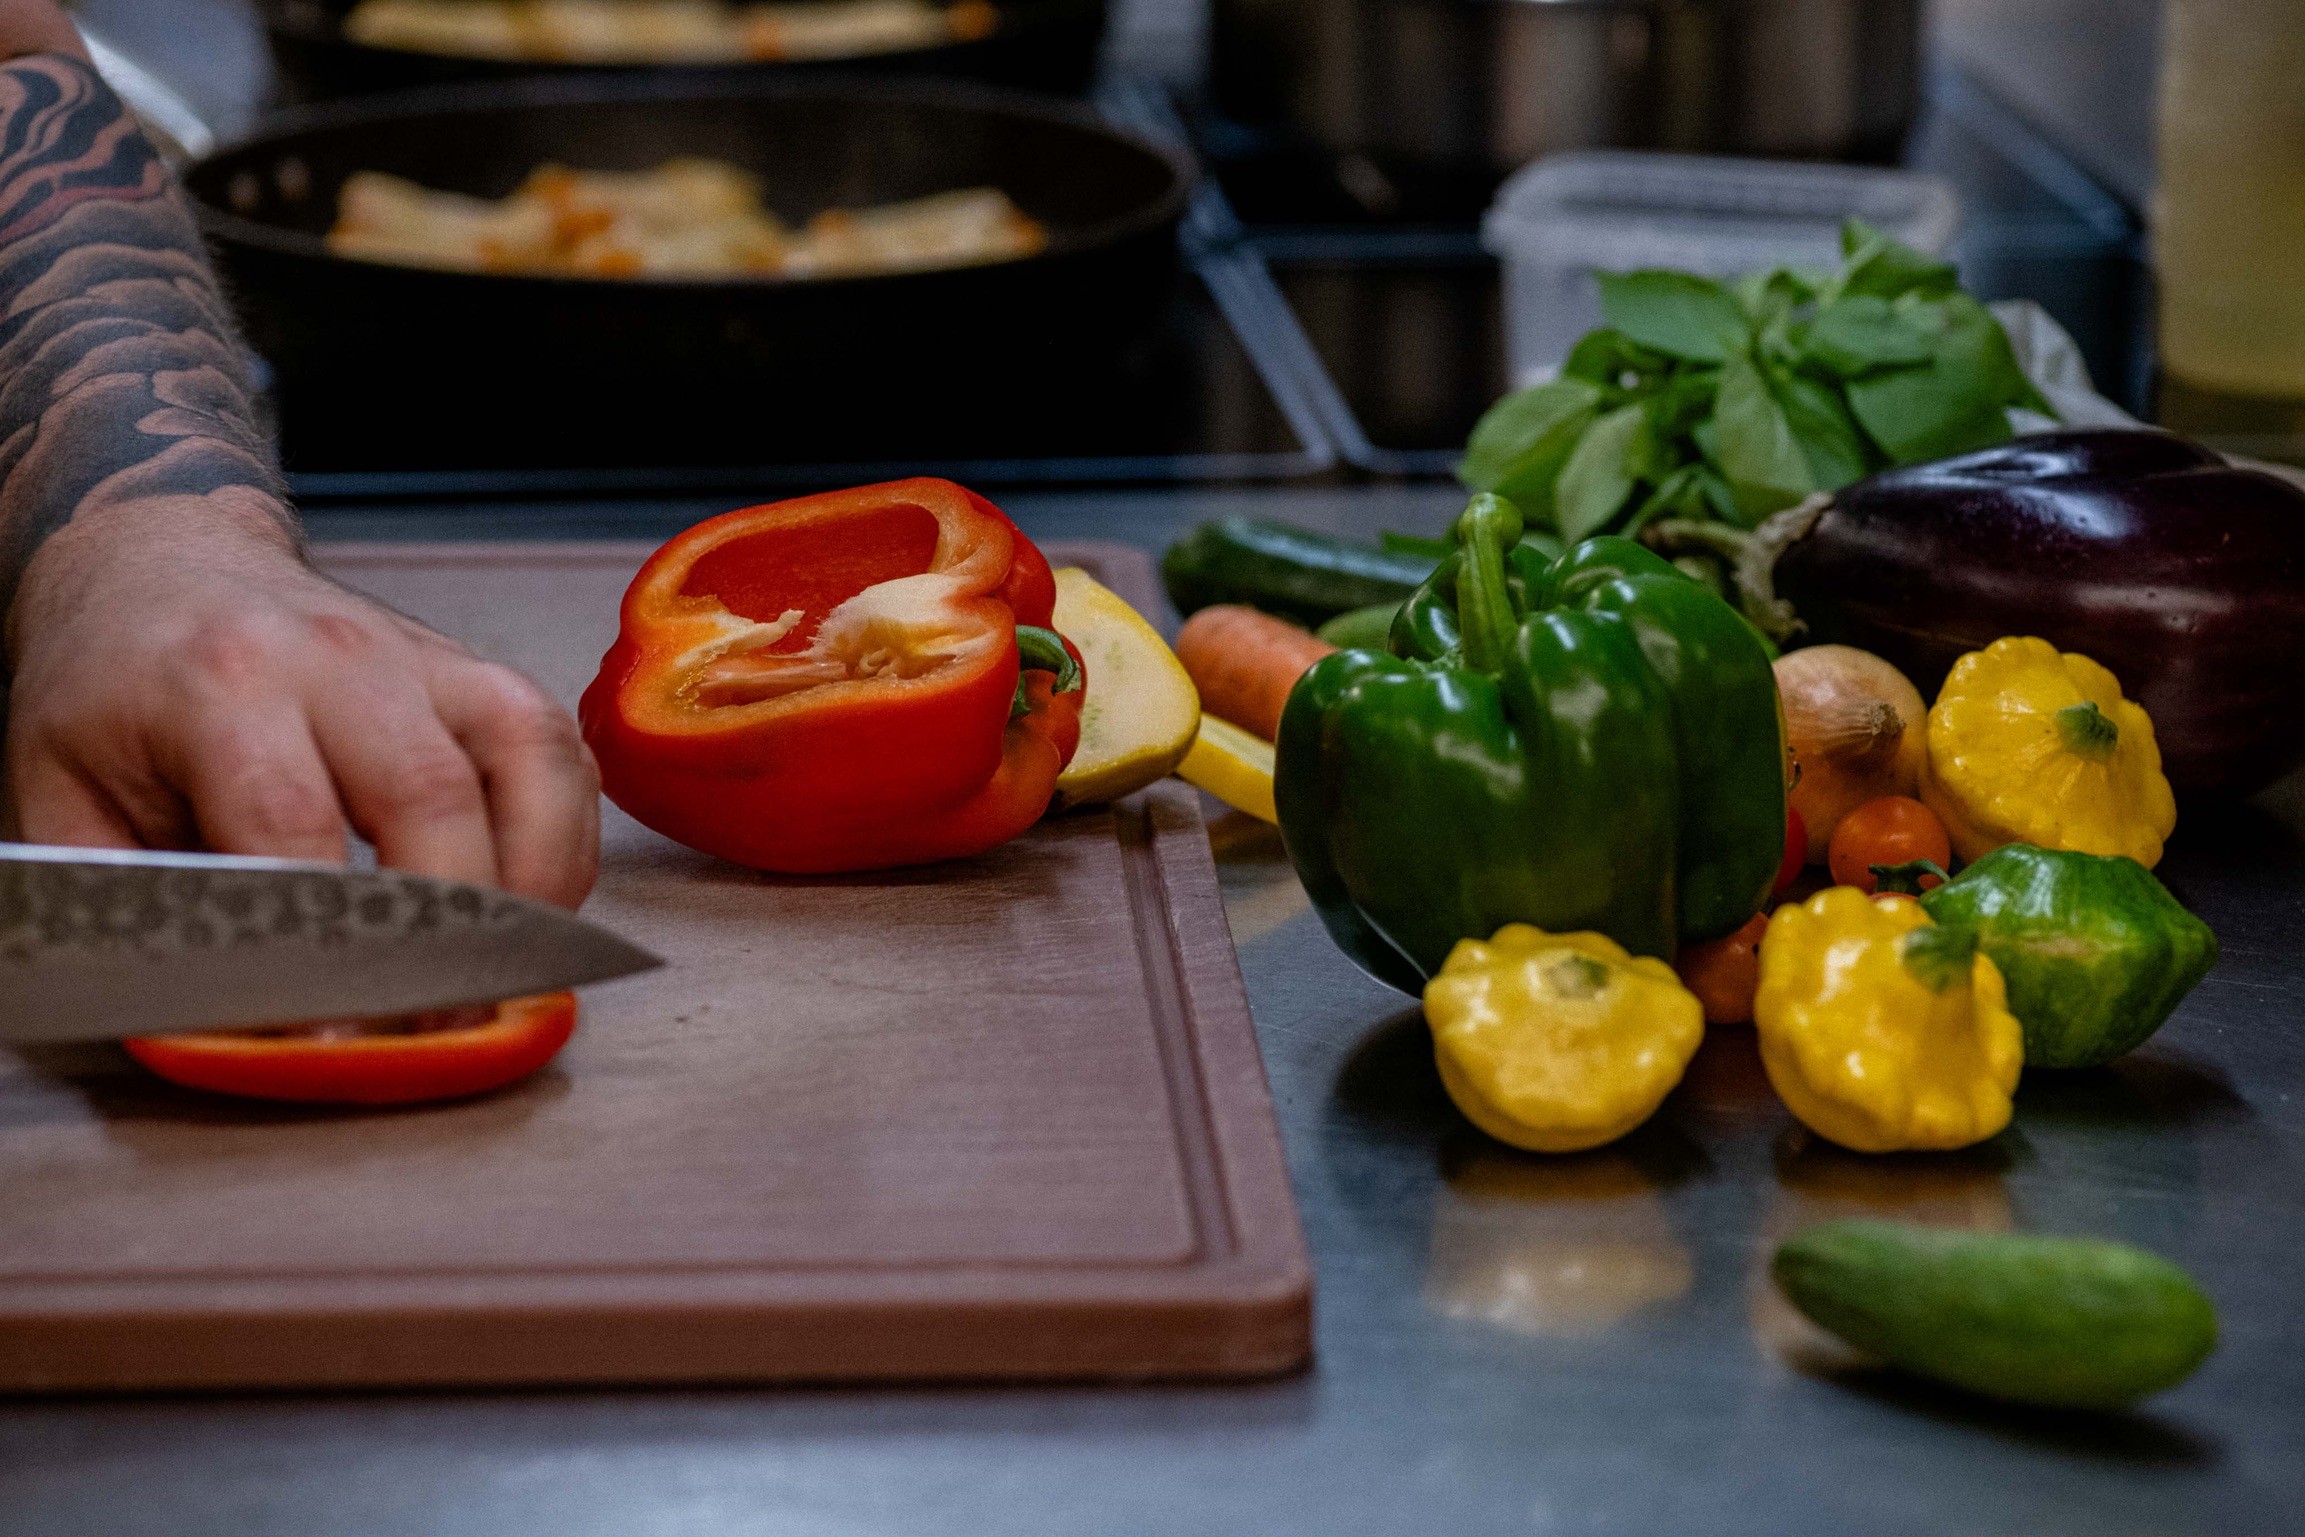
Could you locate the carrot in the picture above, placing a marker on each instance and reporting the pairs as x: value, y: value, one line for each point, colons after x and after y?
x: 1244, y: 663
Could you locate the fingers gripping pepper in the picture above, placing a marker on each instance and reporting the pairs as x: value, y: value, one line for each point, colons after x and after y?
x: 1882, y: 1031
x: 848, y: 681
x: 1557, y: 1042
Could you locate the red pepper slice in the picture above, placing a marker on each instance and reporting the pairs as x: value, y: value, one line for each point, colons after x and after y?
x: 833, y: 683
x: 445, y: 1055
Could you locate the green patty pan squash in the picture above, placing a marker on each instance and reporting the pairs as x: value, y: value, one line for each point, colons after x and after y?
x: 2095, y: 951
x: 1587, y: 743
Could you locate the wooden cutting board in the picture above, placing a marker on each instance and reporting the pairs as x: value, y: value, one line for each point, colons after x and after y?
x: 1002, y: 1118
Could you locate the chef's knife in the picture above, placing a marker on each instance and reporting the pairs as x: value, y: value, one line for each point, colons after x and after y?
x: 96, y: 944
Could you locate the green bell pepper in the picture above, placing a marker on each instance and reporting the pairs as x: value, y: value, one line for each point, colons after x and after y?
x: 2096, y: 952
x: 1592, y: 742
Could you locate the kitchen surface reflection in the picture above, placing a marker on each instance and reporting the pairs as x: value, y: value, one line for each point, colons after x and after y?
x: 1817, y: 1182
x: 1554, y: 1246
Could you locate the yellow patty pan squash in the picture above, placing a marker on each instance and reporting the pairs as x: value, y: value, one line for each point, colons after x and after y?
x: 2031, y: 745
x: 1558, y: 1042
x: 1882, y: 1031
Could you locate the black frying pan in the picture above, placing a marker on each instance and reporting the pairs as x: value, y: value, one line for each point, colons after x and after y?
x: 1045, y: 45
x: 383, y: 366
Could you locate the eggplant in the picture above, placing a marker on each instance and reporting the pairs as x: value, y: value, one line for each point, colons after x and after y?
x: 2181, y: 572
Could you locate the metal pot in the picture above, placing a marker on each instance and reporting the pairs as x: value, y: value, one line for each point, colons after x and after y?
x: 382, y: 366
x: 1045, y: 45
x: 1475, y: 88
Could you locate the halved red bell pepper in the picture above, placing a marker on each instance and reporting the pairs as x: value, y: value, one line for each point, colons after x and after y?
x: 444, y: 1055
x: 848, y: 681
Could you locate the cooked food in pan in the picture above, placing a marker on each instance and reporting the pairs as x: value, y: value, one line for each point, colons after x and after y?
x: 664, y: 31
x: 685, y: 218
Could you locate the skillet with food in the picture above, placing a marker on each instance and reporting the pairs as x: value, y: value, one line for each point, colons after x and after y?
x: 420, y: 360
x: 330, y: 48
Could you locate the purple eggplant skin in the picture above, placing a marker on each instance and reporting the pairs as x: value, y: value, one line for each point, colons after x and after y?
x: 2182, y: 573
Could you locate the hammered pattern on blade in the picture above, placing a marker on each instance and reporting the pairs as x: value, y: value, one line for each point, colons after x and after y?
x: 44, y: 908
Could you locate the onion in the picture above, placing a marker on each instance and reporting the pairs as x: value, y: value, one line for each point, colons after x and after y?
x: 1857, y: 729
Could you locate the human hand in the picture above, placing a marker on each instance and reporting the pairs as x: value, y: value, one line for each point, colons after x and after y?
x: 182, y: 679
x: 37, y: 26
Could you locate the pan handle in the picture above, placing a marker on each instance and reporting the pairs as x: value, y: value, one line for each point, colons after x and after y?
x: 169, y: 121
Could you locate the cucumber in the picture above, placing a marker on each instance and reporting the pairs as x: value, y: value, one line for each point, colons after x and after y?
x: 2070, y: 1323
x: 1300, y: 575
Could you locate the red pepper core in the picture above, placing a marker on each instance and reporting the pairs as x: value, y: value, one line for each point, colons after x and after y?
x: 830, y: 683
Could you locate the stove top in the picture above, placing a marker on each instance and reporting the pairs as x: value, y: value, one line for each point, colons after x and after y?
x: 1205, y: 401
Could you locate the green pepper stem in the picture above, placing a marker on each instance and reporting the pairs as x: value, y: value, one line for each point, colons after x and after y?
x: 1485, y: 618
x: 2088, y: 730
x: 1040, y: 650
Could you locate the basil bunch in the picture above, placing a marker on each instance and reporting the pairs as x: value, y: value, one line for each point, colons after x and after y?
x: 1730, y: 401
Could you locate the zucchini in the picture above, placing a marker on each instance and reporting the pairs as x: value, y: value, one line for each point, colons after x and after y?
x: 1361, y: 629
x: 1302, y: 576
x: 2071, y: 1323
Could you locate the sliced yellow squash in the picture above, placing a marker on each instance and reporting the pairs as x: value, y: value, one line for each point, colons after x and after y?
x: 1234, y: 766
x: 1138, y: 721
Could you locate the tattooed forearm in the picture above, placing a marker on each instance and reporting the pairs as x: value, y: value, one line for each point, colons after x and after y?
x: 120, y: 376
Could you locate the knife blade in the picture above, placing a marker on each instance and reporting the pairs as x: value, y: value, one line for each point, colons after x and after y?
x: 96, y: 943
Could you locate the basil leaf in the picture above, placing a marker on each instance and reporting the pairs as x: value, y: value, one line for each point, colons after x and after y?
x: 1682, y: 399
x: 1707, y: 436
x: 1677, y: 313
x: 1607, y: 357
x: 1858, y: 333
x: 1520, y: 443
x: 1770, y: 298
x: 1958, y: 402
x: 1718, y: 496
x: 1678, y: 495
x: 1759, y: 455
x: 1598, y: 476
x: 1872, y: 263
x: 1822, y: 425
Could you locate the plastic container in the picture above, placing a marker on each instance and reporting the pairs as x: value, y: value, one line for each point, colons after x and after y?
x: 1565, y: 217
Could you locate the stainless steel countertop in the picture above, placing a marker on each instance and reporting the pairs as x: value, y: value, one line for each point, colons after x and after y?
x: 1507, y: 1343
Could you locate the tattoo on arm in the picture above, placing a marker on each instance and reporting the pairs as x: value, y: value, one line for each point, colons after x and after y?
x: 121, y: 377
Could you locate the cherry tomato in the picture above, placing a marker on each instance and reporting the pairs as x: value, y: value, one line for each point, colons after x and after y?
x: 1724, y: 973
x: 446, y: 1055
x: 1894, y: 830
x: 1796, y: 852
